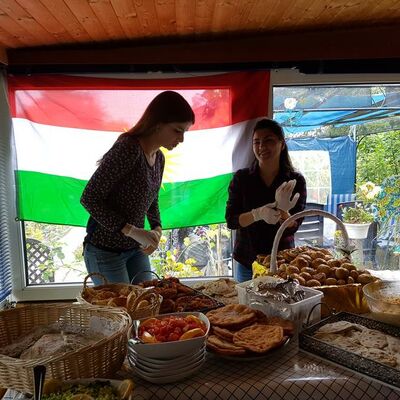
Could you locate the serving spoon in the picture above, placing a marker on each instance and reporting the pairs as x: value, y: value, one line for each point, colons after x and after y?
x: 136, y: 339
x: 39, y: 372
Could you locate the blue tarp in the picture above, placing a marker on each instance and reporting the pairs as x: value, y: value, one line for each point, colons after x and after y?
x: 342, y: 153
x: 316, y: 108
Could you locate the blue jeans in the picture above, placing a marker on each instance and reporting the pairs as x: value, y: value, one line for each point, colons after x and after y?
x: 117, y: 267
x: 243, y: 273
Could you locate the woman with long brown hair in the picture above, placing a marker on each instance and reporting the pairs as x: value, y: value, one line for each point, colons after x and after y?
x: 261, y: 197
x: 123, y: 191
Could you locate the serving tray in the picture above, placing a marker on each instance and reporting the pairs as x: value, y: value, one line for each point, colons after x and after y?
x: 366, y: 366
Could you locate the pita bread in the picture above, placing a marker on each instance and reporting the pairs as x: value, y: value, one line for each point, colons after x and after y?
x: 224, y: 347
x: 337, y: 327
x: 379, y: 356
x: 222, y: 344
x: 225, y: 334
x: 373, y: 339
x: 259, y: 338
x: 231, y: 316
x: 287, y: 326
x: 393, y: 344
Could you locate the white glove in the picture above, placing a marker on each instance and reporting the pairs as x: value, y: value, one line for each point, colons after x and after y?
x: 145, y: 238
x: 158, y: 233
x: 268, y: 213
x: 283, y: 195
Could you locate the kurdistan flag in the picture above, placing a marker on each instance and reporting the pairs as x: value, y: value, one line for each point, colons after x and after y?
x: 64, y: 124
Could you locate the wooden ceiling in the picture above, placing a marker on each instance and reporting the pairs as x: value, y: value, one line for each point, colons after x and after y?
x: 53, y: 31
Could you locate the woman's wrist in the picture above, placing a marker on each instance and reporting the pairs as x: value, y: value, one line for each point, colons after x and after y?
x: 126, y: 229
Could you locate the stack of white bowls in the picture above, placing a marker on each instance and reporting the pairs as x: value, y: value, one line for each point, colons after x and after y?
x: 168, y: 362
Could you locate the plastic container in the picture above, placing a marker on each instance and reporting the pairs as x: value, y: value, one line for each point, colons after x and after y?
x: 297, y: 312
x: 241, y: 287
x: 383, y: 298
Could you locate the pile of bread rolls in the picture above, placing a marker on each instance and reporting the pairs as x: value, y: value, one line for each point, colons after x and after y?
x: 313, y: 266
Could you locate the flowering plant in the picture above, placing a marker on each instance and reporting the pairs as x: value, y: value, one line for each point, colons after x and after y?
x: 357, y: 215
x: 364, y: 209
x: 388, y: 199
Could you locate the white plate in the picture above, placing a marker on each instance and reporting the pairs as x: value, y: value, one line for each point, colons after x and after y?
x: 170, y: 378
x: 254, y: 357
x: 171, y: 365
x: 165, y: 373
x: 167, y: 361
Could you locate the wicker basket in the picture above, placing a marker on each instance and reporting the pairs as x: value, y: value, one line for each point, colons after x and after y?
x: 140, y: 302
x: 294, y: 217
x: 347, y: 297
x: 103, y: 359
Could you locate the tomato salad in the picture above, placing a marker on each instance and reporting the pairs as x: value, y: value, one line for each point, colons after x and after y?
x: 172, y: 328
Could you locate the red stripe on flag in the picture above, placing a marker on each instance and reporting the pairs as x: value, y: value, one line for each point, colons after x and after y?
x: 110, y: 104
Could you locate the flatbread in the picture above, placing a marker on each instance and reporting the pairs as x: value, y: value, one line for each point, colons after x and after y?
x: 226, y: 352
x: 336, y: 327
x: 223, y: 333
x: 393, y: 345
x: 224, y: 347
x: 259, y: 338
x: 373, y: 339
x: 287, y: 326
x: 379, y: 356
x: 232, y: 315
x: 222, y: 343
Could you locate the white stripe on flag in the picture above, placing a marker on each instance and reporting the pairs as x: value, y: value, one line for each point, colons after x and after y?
x: 74, y: 152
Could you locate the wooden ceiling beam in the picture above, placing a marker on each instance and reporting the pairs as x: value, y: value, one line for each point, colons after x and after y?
x: 348, y: 44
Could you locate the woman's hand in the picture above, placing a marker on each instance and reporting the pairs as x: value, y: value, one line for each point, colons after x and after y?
x: 151, y: 249
x: 143, y: 237
x: 267, y: 213
x: 284, y: 216
x: 283, y: 195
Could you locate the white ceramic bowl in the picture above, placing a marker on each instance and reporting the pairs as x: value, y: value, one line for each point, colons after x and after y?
x: 170, y: 377
x: 170, y: 350
x: 171, y: 371
x: 166, y: 364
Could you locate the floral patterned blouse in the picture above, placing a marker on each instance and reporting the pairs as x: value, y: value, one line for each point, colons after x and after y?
x: 123, y: 189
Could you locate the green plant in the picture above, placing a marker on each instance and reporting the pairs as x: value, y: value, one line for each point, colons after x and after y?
x: 357, y: 215
x: 166, y: 263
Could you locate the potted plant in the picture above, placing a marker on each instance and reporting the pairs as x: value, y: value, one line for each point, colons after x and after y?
x: 357, y: 219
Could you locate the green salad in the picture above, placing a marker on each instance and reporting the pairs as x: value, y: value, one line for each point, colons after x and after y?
x: 99, y: 390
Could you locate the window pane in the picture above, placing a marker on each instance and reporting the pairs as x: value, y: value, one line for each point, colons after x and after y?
x: 54, y: 253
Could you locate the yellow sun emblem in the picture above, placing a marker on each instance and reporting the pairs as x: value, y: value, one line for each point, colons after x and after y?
x: 173, y: 160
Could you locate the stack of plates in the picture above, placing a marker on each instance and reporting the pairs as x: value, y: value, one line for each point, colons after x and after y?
x: 168, y: 370
x: 164, y: 362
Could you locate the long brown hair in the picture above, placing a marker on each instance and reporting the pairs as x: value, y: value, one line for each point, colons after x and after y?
x: 285, y: 163
x: 165, y: 108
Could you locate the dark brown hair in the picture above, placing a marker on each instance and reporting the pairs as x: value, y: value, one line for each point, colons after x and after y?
x: 285, y: 163
x: 165, y: 108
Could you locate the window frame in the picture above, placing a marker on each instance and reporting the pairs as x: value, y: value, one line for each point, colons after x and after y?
x: 281, y: 77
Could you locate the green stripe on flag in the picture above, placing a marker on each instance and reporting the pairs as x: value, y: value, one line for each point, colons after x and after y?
x: 55, y: 199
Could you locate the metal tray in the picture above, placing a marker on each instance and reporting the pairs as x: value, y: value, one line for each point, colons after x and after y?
x: 197, y: 293
x: 350, y: 360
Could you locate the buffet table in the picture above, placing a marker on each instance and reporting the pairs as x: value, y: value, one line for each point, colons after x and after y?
x: 283, y: 375
x: 289, y: 375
